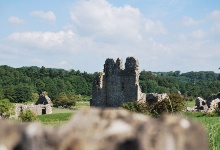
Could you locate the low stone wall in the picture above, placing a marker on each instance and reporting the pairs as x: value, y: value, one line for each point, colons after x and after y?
x: 106, y: 129
x: 36, y: 109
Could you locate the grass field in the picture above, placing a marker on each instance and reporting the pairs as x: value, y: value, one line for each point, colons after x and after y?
x: 190, y: 103
x: 61, y: 116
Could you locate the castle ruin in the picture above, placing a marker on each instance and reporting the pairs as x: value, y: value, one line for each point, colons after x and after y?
x: 117, y: 85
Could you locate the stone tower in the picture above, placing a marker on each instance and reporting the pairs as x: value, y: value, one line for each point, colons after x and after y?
x: 116, y: 84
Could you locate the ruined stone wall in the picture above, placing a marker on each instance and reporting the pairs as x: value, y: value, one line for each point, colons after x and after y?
x: 36, y: 109
x: 117, y: 85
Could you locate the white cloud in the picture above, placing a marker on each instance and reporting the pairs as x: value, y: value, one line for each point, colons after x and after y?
x: 15, y: 20
x: 38, y: 61
x: 215, y: 19
x: 64, y: 64
x: 182, y: 37
x: 100, y: 19
x: 44, y: 40
x: 49, y: 16
x: 215, y: 14
x: 189, y: 21
x: 101, y: 30
x: 198, y: 34
x: 154, y: 27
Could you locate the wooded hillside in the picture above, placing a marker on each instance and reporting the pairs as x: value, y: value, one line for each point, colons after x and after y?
x: 25, y: 83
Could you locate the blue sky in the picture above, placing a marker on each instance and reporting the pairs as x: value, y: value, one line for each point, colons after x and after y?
x: 164, y: 35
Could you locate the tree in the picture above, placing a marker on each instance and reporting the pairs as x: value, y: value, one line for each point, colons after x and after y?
x: 40, y: 86
x: 65, y: 100
x: 1, y: 93
x: 9, y: 93
x: 23, y: 94
x: 6, y: 108
x: 51, y: 88
x: 79, y: 84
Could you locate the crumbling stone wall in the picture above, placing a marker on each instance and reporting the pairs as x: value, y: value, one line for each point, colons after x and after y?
x: 42, y: 106
x: 116, y: 84
x: 208, y: 105
x: 36, y: 109
x: 152, y: 98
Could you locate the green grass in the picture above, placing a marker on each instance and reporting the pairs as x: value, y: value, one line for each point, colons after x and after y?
x: 190, y: 103
x: 212, y: 125
x: 60, y: 116
x: 60, y: 110
x: 55, y: 119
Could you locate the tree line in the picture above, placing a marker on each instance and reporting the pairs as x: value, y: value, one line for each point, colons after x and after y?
x: 26, y: 83
x: 190, y: 84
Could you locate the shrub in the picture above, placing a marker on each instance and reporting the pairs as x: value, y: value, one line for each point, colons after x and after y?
x: 27, y: 116
x: 136, y: 107
x: 66, y: 100
x: 6, y: 108
x: 175, y: 103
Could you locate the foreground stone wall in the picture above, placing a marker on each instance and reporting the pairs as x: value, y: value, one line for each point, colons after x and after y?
x: 116, y: 84
x: 106, y: 129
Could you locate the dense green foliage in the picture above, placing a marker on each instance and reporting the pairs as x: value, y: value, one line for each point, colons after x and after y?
x: 136, y: 107
x: 19, y: 84
x: 66, y: 100
x: 22, y: 84
x: 6, y: 108
x: 191, y: 84
x: 27, y: 116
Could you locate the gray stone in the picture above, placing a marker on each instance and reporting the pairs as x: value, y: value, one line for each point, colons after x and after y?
x: 213, y: 97
x: 117, y: 85
x: 201, y: 105
x: 152, y: 98
x: 208, y: 105
x: 36, y: 109
x: 106, y: 129
x: 214, y: 104
x: 191, y: 109
x: 42, y: 106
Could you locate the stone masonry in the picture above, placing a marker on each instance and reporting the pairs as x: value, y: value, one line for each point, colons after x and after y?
x: 116, y: 84
x: 42, y: 106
